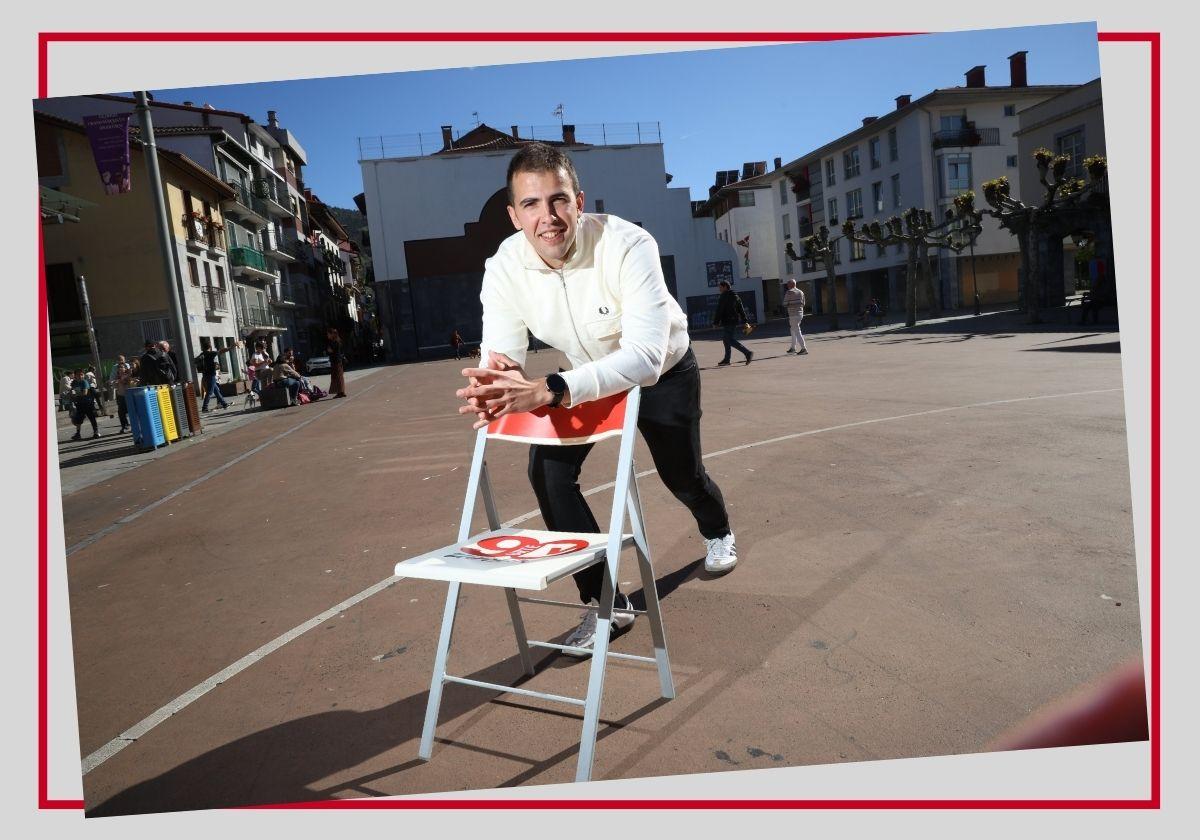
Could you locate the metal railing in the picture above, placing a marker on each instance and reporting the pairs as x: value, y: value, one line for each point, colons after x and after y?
x: 966, y: 137
x: 245, y: 198
x: 248, y: 257
x: 379, y: 147
x: 195, y: 229
x: 216, y: 238
x: 258, y: 316
x: 215, y: 299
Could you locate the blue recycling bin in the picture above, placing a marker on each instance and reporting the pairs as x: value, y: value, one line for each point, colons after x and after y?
x: 145, y: 418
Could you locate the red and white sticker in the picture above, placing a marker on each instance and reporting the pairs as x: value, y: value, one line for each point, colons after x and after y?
x: 521, y: 548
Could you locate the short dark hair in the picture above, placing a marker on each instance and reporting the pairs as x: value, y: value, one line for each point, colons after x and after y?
x: 726, y: 284
x: 540, y: 157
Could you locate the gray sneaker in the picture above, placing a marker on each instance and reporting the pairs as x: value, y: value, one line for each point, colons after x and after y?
x: 584, y: 636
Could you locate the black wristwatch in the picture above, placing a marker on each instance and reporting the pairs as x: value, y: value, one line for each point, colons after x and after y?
x: 557, y: 386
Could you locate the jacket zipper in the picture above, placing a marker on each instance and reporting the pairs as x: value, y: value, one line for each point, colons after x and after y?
x: 571, y: 315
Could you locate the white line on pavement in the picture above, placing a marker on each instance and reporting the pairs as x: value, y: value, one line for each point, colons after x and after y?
x: 141, y: 728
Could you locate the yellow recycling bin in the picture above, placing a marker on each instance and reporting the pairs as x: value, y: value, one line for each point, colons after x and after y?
x: 168, y: 413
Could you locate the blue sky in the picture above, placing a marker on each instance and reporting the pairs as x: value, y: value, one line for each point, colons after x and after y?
x: 717, y: 108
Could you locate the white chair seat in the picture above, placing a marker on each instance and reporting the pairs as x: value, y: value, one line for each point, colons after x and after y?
x: 515, y: 558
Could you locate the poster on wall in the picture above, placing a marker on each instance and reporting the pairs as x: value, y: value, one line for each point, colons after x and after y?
x: 719, y: 271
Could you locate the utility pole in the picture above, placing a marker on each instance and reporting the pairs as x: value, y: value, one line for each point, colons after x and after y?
x: 91, y: 332
x: 175, y: 291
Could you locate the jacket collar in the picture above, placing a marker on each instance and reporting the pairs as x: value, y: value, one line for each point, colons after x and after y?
x: 581, y: 255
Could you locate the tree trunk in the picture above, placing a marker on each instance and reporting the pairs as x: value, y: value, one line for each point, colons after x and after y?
x: 934, y: 308
x: 831, y: 277
x: 910, y: 288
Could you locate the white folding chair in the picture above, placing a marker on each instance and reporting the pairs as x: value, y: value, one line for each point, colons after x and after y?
x: 515, y: 558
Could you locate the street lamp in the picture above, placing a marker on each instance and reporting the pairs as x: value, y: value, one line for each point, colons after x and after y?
x: 967, y: 235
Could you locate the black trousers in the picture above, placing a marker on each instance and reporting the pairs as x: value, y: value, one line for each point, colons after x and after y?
x: 669, y: 421
x: 122, y: 410
x: 727, y: 338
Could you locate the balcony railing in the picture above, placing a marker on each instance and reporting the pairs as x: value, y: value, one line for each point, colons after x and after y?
x: 243, y: 256
x: 379, y: 147
x: 259, y: 316
x: 245, y: 198
x: 265, y: 188
x: 966, y: 136
x: 215, y: 299
x: 216, y: 238
x: 195, y: 229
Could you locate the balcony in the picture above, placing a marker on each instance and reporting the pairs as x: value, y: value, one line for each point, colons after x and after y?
x: 261, y: 318
x: 215, y: 299
x: 266, y: 192
x: 250, y: 263
x: 966, y: 136
x: 196, y: 231
x: 216, y: 240
x: 244, y: 205
x: 277, y: 250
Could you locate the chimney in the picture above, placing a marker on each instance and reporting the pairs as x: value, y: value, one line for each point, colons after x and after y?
x: 514, y: 133
x: 272, y: 120
x: 869, y: 120
x: 902, y: 100
x: 778, y: 162
x: 975, y: 76
x: 447, y: 137
x: 1016, y: 69
x: 568, y: 134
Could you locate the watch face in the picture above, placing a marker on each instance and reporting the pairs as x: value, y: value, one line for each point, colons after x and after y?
x: 556, y: 383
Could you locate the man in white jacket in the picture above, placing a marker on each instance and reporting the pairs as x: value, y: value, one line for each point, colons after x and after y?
x: 591, y: 286
x: 793, y: 299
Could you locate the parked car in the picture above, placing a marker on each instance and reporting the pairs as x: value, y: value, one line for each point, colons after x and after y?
x: 318, y: 364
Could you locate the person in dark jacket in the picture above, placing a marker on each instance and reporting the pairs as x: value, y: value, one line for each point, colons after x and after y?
x: 730, y: 314
x: 156, y: 366
x: 83, y: 391
x: 337, y: 368
x: 209, y: 365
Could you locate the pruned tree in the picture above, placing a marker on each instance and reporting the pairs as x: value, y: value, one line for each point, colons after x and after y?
x: 918, y: 232
x: 1067, y: 205
x: 820, y: 247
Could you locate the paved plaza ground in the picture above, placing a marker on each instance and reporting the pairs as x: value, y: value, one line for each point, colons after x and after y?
x: 934, y: 533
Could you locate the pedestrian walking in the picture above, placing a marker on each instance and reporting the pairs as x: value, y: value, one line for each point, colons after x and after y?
x: 456, y: 342
x: 83, y: 392
x: 65, y: 403
x: 156, y: 367
x: 119, y: 379
x: 209, y: 365
x: 337, y: 363
x: 619, y: 327
x: 730, y: 314
x: 793, y: 301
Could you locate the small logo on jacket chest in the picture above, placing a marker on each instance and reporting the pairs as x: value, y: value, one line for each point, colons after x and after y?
x: 604, y: 310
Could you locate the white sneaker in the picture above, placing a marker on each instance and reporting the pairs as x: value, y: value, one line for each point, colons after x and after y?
x: 584, y: 636
x: 722, y: 555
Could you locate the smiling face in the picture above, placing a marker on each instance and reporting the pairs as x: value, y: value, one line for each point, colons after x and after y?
x: 547, y: 209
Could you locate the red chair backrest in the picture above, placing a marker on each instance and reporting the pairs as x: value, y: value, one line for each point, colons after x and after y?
x: 584, y: 423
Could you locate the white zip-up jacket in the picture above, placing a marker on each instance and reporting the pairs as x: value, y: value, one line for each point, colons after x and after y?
x: 607, y: 309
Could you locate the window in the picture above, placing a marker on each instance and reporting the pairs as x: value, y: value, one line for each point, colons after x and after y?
x: 850, y: 165
x: 787, y: 264
x: 880, y: 251
x: 1071, y: 145
x: 783, y: 192
x: 746, y: 198
x: 830, y: 178
x: 836, y: 248
x: 877, y: 197
x: 956, y: 121
x: 1011, y: 161
x: 854, y: 205
x: 1010, y: 110
x: 957, y: 174
x: 599, y: 205
x: 857, y: 251
x: 833, y: 216
x: 156, y: 329
x: 897, y: 200
x: 874, y: 148
x: 805, y: 226
x: 893, y: 145
x: 194, y: 271
x: 787, y: 226
x: 207, y: 275
x: 220, y: 277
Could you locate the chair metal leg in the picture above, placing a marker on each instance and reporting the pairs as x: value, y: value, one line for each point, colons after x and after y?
x: 650, y: 589
x: 514, y: 610
x: 591, y: 707
x: 439, y: 674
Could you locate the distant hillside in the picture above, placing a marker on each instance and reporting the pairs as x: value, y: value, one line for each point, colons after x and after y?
x: 355, y: 224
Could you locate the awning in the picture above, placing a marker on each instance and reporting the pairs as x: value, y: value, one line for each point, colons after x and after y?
x: 60, y: 206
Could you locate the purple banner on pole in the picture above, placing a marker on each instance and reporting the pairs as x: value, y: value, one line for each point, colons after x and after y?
x: 109, y: 136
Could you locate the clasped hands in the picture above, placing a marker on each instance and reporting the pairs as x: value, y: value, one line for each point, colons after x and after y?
x: 500, y: 388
